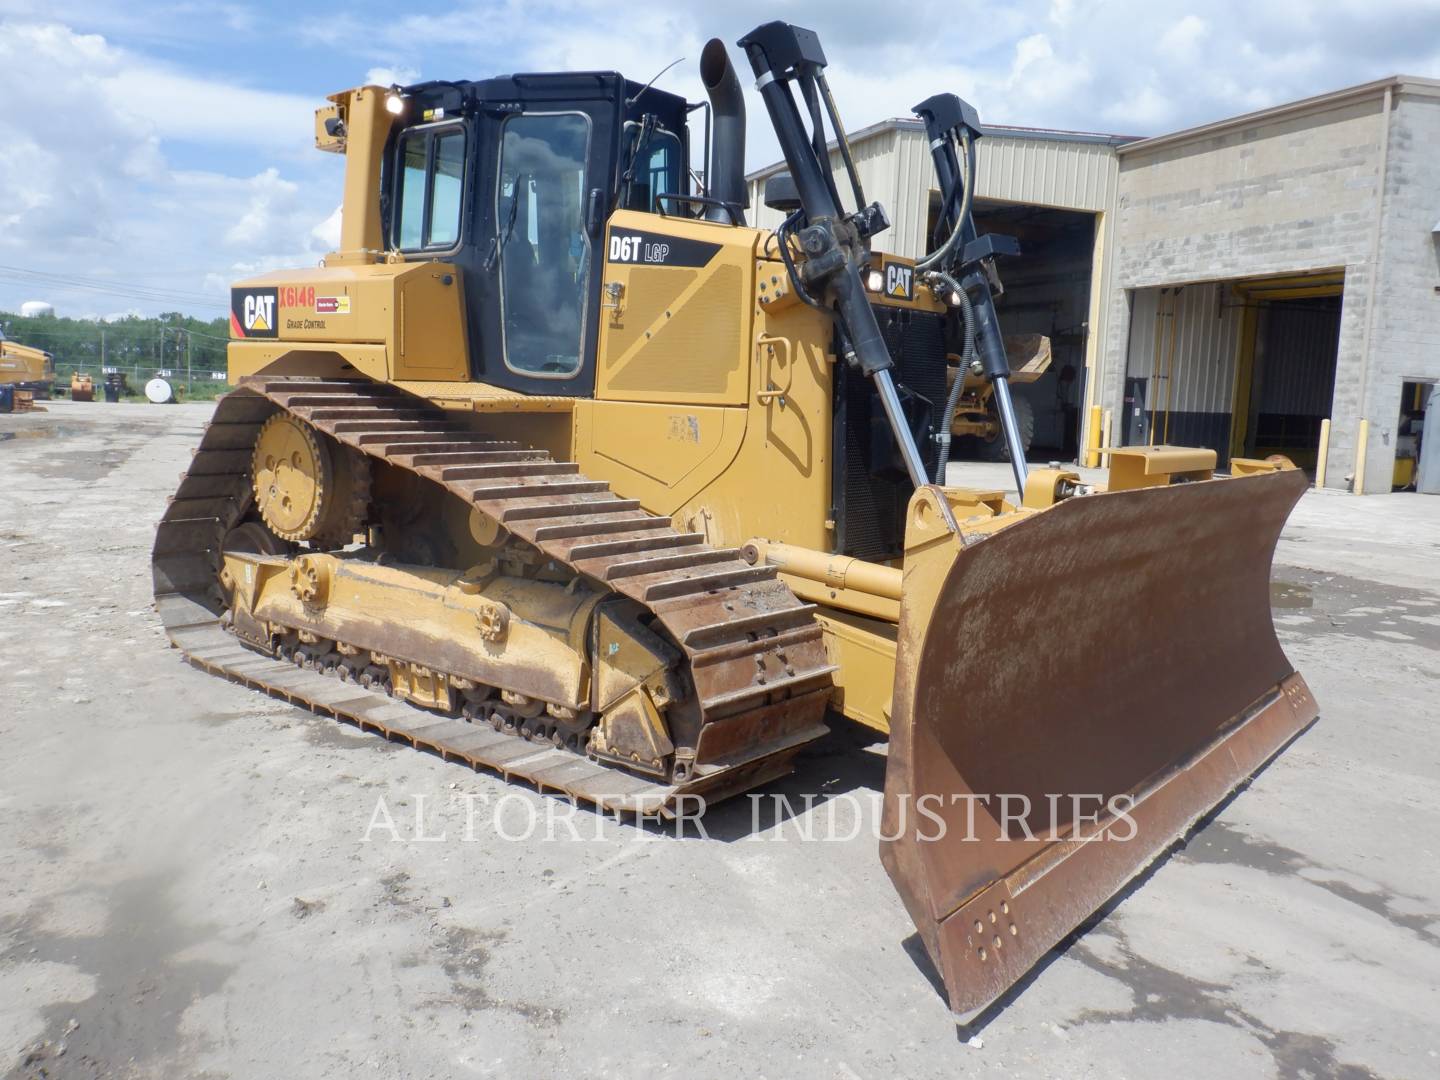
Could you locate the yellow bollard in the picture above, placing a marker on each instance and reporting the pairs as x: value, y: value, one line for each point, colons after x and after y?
x: 1323, y: 453
x: 1092, y: 438
x: 1359, y: 485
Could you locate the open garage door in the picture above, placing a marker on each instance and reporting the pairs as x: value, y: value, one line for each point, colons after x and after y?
x: 1047, y: 291
x: 1245, y: 366
x: 1285, y: 379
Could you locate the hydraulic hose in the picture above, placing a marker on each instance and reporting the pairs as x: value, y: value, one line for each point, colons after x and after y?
x: 967, y: 356
x: 966, y: 160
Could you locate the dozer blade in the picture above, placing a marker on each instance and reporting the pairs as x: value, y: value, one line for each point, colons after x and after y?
x: 1113, y: 647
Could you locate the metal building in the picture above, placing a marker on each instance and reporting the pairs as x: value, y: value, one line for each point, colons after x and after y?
x: 1265, y: 284
x: 1054, y: 190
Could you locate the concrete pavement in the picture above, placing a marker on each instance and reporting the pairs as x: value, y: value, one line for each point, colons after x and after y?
x: 196, y: 880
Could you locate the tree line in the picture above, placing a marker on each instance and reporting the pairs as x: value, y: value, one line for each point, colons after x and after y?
x: 162, y: 342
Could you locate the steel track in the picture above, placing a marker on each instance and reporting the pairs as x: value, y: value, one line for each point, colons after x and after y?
x: 753, y: 652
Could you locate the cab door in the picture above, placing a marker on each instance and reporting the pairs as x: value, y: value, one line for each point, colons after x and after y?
x: 547, y: 171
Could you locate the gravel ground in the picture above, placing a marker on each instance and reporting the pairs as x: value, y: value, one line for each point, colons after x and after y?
x: 187, y: 887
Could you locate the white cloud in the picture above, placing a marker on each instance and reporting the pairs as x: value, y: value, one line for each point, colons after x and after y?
x: 264, y: 221
x: 1145, y: 109
x: 180, y: 106
x: 92, y: 130
x: 87, y: 186
x: 1181, y: 39
x: 58, y: 180
x: 1127, y: 65
x: 392, y: 76
x: 327, y: 233
x: 1035, y: 49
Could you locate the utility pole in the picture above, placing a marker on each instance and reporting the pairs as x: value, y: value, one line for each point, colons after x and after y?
x: 187, y: 363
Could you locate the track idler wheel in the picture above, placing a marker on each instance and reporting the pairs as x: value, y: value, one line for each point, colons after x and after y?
x: 307, y: 486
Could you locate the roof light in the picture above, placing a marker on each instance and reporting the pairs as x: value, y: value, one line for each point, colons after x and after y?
x: 394, y: 104
x: 874, y: 281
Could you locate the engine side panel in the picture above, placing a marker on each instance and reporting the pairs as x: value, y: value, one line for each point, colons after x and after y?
x: 387, y: 321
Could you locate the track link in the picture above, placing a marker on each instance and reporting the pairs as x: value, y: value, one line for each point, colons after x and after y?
x: 754, y: 652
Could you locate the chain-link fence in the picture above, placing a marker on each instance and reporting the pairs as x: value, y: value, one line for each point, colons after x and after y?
x: 187, y: 353
x: 192, y: 384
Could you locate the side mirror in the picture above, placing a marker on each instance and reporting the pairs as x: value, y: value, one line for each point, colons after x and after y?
x: 782, y: 194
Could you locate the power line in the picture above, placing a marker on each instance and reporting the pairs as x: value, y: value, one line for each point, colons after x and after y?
x: 121, y: 293
x: 99, y: 327
x: 70, y: 283
x: 117, y: 292
x: 100, y: 281
x: 197, y: 333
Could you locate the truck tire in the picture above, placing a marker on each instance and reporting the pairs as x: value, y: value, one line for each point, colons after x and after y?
x: 996, y: 449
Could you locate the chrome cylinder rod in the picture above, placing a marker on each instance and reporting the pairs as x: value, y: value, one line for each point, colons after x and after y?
x: 1010, y: 427
x: 901, y: 427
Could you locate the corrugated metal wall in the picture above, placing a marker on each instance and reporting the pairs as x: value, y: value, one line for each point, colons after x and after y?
x: 1302, y: 338
x: 1203, y: 321
x: 875, y: 163
x: 896, y: 170
x: 1042, y: 172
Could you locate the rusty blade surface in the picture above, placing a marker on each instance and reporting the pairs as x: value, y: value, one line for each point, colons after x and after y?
x: 1118, y: 645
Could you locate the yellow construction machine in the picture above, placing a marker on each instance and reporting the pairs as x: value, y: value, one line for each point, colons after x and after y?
x: 560, y: 469
x: 26, y: 368
x: 976, y: 415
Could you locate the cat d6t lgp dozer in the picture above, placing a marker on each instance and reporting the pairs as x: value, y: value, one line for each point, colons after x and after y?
x: 560, y: 469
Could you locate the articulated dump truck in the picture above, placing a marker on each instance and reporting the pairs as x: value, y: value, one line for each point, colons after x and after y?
x: 560, y: 469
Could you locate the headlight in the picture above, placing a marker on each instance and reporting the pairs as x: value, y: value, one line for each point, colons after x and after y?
x: 874, y: 281
x: 394, y: 104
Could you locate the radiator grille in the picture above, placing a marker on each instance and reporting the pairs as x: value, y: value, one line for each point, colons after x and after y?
x: 875, y: 485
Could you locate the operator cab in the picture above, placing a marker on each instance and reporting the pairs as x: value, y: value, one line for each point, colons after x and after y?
x: 512, y: 180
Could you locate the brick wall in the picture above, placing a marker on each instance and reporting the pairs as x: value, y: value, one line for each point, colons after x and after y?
x: 1405, y: 335
x: 1284, y: 196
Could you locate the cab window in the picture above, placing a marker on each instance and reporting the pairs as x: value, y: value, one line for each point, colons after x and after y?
x: 431, y: 182
x: 544, y: 250
x: 659, y: 172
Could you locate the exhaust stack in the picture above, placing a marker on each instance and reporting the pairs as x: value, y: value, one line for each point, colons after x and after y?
x: 726, y: 181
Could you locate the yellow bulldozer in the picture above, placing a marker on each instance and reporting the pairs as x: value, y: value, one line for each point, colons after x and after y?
x: 561, y: 470
x: 26, y: 368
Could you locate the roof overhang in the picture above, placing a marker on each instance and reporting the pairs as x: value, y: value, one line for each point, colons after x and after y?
x: 994, y: 131
x: 1318, y: 103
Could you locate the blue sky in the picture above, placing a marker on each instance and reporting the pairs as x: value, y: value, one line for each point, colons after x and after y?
x: 152, y: 152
